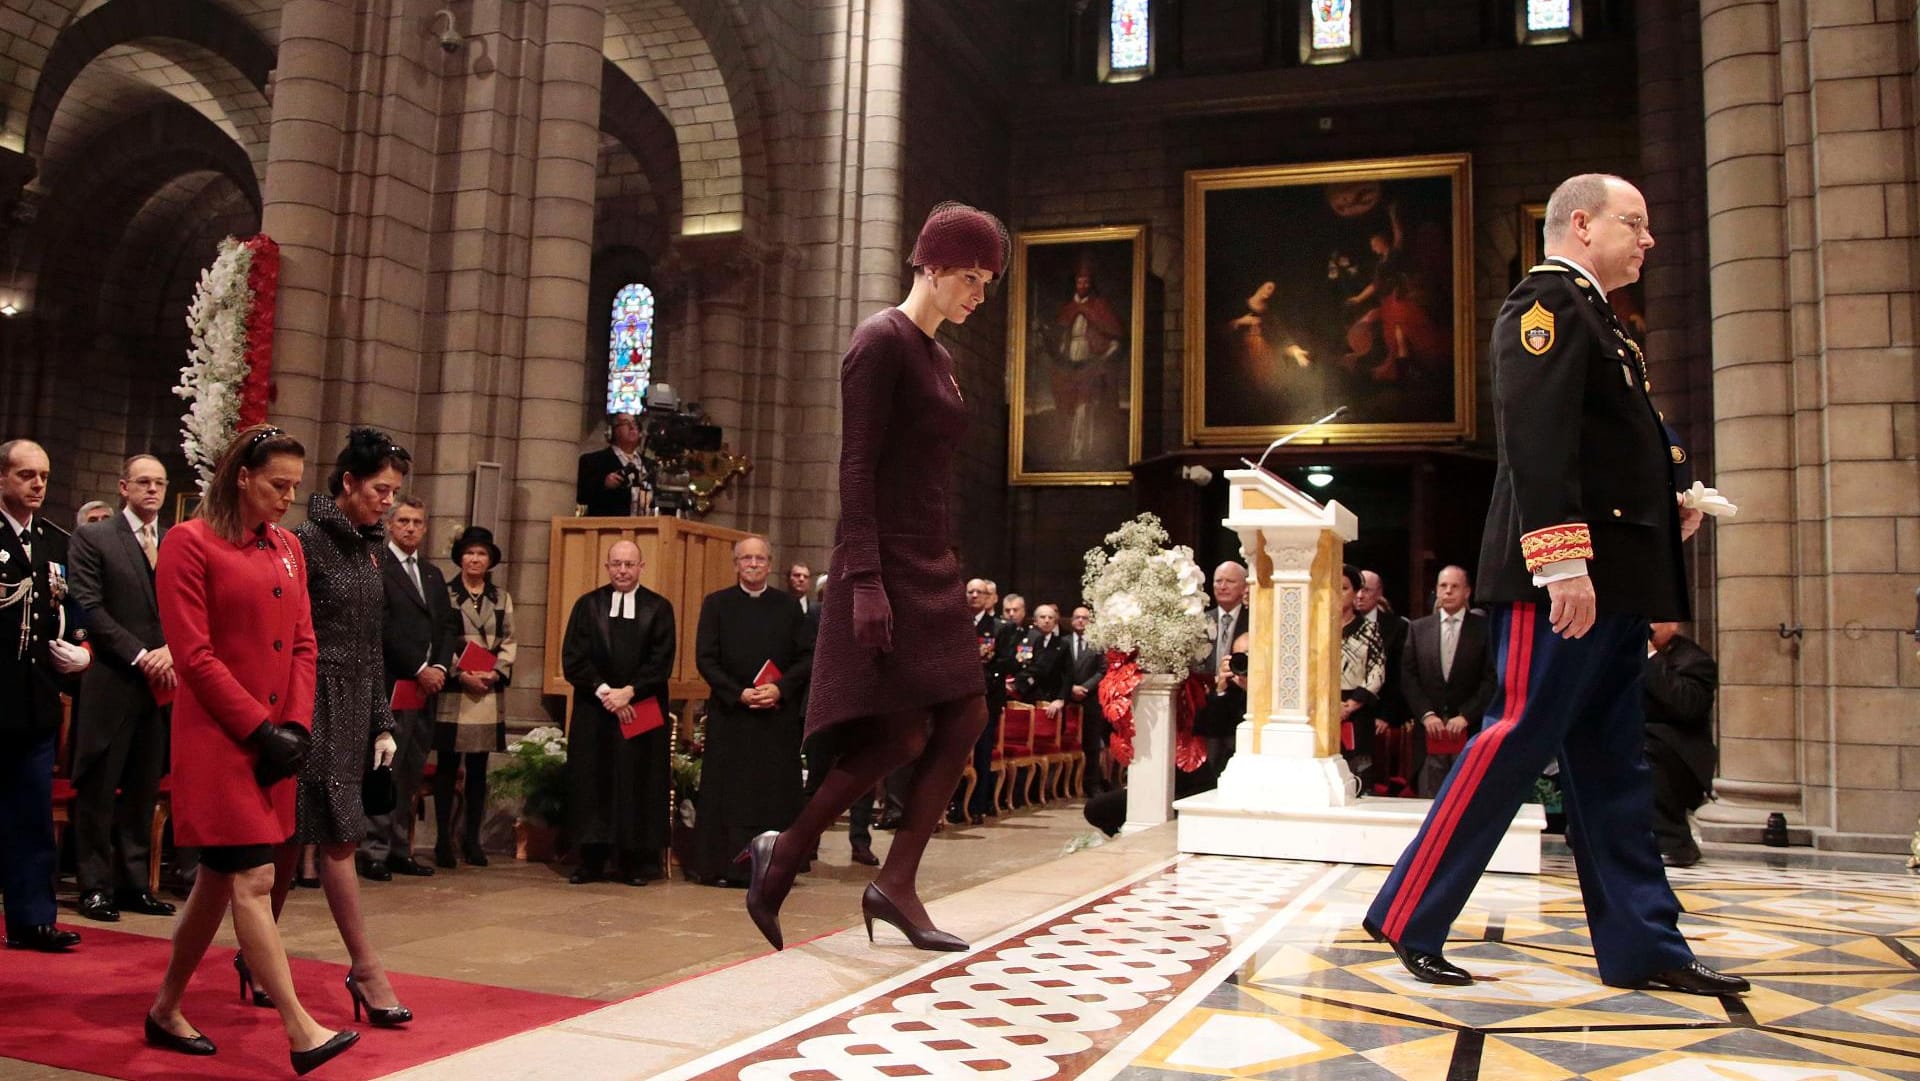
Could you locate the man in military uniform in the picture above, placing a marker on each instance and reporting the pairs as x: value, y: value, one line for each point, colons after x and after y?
x: 38, y: 652
x: 1581, y: 550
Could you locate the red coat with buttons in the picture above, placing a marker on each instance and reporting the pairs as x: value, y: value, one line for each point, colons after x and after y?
x: 237, y: 621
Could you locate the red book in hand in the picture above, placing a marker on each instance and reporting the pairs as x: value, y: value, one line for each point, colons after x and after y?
x: 768, y: 673
x: 646, y: 717
x: 1446, y: 742
x: 475, y: 658
x: 162, y: 694
x: 406, y: 697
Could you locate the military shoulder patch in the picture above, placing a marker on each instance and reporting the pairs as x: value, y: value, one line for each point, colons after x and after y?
x: 1536, y: 330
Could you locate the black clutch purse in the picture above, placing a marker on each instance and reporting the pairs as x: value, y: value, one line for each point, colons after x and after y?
x: 377, y: 796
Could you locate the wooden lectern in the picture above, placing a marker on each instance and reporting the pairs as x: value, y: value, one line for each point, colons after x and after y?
x: 1286, y: 792
x: 685, y: 561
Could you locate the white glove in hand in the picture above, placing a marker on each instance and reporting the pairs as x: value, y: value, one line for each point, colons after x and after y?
x: 384, y: 748
x: 1708, y: 501
x: 67, y: 657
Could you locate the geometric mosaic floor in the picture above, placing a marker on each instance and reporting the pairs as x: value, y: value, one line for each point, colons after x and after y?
x: 1226, y: 968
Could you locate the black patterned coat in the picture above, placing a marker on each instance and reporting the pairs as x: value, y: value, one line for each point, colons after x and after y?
x: 350, y: 693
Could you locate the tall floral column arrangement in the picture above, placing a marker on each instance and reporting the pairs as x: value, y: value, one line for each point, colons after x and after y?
x: 1149, y: 617
x: 227, y: 380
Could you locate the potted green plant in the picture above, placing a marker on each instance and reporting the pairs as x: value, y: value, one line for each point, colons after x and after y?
x: 535, y: 775
x: 687, y: 756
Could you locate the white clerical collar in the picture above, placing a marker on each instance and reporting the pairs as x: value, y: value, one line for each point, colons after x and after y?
x: 623, y: 604
x: 1584, y: 272
x: 19, y: 527
x: 138, y: 526
x: 398, y: 554
x: 754, y: 593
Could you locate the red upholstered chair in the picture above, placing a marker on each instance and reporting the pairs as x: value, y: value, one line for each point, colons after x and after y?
x: 1070, y: 762
x: 63, y: 791
x: 1017, y: 752
x: 1046, y: 751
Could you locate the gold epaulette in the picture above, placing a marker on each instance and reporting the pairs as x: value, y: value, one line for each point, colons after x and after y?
x: 1553, y: 267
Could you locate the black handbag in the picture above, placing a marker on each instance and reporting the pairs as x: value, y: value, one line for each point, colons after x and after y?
x: 377, y: 795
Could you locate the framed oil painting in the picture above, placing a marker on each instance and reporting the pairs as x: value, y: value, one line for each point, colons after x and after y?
x: 1079, y: 302
x: 1314, y: 286
x: 1629, y: 301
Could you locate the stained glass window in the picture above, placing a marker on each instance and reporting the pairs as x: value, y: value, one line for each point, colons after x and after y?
x: 630, y: 350
x: 1127, y: 50
x: 1332, y: 24
x: 1549, y: 15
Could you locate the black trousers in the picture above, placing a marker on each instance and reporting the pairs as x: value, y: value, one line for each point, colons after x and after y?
x: 474, y: 800
x: 391, y: 834
x: 1675, y: 792
x: 26, y: 828
x: 132, y: 764
x: 859, y: 816
x: 982, y: 803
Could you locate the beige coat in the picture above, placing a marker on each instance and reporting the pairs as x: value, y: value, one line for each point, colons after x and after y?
x: 486, y: 620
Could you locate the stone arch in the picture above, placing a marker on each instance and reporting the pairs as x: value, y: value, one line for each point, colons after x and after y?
x: 629, y: 116
x: 688, y: 58
x: 194, y: 50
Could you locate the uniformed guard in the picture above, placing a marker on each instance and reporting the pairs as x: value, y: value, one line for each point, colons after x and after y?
x: 1581, y: 550
x: 39, y: 651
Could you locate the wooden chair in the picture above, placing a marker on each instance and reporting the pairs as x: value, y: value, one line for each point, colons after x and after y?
x: 1046, y: 747
x: 997, y: 767
x: 1017, y: 753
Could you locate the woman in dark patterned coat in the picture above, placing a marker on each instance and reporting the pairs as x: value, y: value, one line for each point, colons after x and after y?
x: 352, y: 721
x: 897, y: 668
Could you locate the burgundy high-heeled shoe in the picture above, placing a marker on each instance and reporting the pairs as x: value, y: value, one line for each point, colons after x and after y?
x: 766, y: 917
x: 875, y: 905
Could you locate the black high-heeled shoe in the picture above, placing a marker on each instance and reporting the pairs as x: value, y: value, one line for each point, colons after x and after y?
x: 380, y: 1016
x: 305, y: 1062
x: 765, y: 917
x: 247, y: 988
x: 875, y: 905
x: 196, y: 1044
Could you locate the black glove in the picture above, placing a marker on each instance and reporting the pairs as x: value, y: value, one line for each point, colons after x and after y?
x: 280, y: 751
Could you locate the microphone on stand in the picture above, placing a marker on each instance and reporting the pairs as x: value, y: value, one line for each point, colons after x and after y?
x: 1291, y: 436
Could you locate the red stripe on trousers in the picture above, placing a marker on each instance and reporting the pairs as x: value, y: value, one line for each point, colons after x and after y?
x: 1479, y: 757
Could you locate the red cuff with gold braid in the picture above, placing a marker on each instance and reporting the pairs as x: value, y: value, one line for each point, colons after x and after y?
x: 1569, y: 540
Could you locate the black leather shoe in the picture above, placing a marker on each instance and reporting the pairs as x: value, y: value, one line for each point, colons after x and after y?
x: 196, y: 1044
x: 1694, y: 978
x: 1681, y: 857
x: 375, y: 871
x: 98, y: 905
x: 1423, y: 966
x: 584, y: 875
x: 44, y: 937
x: 443, y: 855
x: 631, y: 878
x: 863, y: 855
x: 407, y: 865
x: 473, y: 853
x: 305, y: 1062
x: 144, y: 903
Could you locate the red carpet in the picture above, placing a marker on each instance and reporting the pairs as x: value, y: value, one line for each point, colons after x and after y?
x: 82, y: 1011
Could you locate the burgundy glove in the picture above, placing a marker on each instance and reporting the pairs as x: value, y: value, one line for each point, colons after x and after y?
x: 872, y: 616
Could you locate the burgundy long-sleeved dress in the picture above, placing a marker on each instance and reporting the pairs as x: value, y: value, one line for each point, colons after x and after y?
x: 902, y: 419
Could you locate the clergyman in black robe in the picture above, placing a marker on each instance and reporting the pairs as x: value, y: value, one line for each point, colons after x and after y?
x: 750, y: 776
x: 617, y: 653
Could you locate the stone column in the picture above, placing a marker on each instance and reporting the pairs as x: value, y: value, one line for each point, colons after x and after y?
x: 303, y: 189
x: 559, y: 268
x: 1743, y: 63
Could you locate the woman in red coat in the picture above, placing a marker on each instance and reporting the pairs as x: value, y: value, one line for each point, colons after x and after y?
x: 896, y: 670
x: 233, y: 606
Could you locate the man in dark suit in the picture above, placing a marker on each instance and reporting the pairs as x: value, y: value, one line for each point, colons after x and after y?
x: 1226, y: 705
x: 418, y: 640
x: 611, y: 482
x: 1391, y: 710
x: 1681, y: 681
x: 120, y: 729
x: 1581, y: 550
x: 800, y: 585
x: 982, y: 595
x: 38, y: 656
x: 1048, y: 672
x: 1086, y: 666
x: 1446, y: 679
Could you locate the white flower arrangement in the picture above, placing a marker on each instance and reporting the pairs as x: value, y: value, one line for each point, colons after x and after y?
x: 1147, y: 598
x: 216, y: 367
x: 549, y: 740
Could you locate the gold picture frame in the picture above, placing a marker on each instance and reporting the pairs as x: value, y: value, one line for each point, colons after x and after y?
x: 1357, y: 279
x: 1074, y: 407
x: 1533, y: 240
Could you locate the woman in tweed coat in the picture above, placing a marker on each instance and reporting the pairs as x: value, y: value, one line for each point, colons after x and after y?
x: 352, y: 722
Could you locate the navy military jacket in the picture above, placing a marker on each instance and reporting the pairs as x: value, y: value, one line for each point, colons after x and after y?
x: 1585, y: 467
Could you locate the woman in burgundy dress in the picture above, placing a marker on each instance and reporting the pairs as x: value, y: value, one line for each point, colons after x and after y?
x: 896, y: 669
x: 232, y: 588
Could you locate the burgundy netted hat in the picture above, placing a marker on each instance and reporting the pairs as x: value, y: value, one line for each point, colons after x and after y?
x: 958, y: 235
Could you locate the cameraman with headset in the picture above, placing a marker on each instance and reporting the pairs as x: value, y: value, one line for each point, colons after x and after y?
x: 612, y: 482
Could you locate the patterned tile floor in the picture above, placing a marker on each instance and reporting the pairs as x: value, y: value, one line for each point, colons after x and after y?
x: 1223, y: 968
